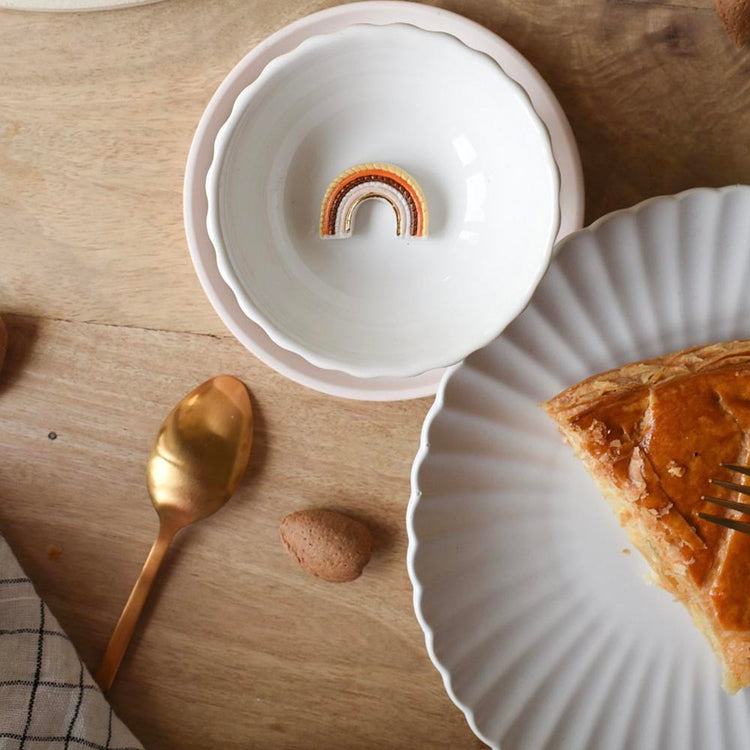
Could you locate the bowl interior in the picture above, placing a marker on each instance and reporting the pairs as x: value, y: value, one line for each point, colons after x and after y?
x: 375, y: 304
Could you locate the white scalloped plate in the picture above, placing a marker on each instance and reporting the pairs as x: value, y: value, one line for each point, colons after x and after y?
x: 544, y: 630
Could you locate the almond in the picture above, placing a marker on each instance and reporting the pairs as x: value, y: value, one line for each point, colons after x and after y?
x: 327, y: 544
x: 735, y: 15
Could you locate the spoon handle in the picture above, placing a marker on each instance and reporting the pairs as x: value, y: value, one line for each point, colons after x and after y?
x: 123, y: 632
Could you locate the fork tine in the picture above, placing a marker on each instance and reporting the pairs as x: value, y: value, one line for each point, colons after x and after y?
x: 730, y: 523
x: 739, y: 469
x: 733, y: 504
x: 741, y: 488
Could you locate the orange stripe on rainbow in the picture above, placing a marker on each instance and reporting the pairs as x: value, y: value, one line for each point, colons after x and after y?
x: 374, y: 180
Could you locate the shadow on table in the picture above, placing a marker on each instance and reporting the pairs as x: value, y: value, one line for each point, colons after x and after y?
x: 22, y: 335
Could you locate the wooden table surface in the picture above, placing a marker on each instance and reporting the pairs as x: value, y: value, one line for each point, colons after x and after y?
x: 109, y: 326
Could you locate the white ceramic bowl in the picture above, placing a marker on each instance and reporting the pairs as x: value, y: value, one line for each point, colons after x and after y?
x: 374, y: 305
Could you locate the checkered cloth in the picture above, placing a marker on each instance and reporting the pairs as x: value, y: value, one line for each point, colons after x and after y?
x: 48, y: 700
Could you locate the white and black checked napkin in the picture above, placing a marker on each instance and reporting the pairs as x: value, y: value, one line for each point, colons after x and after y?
x: 48, y: 700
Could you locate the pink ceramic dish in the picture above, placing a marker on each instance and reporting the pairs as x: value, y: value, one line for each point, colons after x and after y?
x: 219, y: 108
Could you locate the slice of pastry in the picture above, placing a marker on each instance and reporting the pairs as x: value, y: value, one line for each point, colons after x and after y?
x: 652, y: 434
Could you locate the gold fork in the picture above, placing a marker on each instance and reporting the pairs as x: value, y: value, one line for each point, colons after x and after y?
x: 730, y: 523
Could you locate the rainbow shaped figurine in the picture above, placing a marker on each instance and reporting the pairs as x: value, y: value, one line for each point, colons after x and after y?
x: 360, y: 183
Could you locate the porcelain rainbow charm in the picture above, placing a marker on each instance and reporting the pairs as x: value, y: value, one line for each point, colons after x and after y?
x: 364, y: 181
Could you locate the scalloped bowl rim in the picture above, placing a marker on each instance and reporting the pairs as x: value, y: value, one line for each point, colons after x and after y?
x: 213, y: 177
x: 424, y: 447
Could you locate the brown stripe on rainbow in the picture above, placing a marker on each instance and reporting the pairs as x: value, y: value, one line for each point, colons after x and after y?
x: 374, y: 180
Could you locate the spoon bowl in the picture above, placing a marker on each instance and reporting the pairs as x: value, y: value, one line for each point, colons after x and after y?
x: 201, y: 451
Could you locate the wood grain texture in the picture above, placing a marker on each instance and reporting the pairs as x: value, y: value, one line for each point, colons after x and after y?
x: 240, y: 649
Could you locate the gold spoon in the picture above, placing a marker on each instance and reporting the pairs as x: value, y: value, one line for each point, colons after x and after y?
x: 198, y: 458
